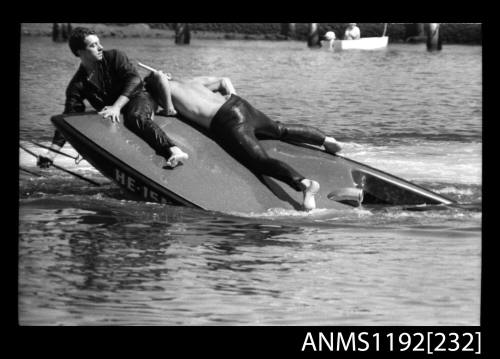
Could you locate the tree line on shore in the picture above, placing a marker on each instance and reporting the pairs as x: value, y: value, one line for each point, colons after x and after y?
x: 398, y: 32
x: 452, y: 33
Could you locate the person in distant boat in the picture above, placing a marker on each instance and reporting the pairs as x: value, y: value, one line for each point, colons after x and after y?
x: 330, y: 37
x: 111, y: 84
x: 212, y: 103
x: 352, y: 32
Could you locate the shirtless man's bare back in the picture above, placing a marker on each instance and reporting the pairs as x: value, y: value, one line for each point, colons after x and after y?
x: 211, y: 102
x: 194, y: 100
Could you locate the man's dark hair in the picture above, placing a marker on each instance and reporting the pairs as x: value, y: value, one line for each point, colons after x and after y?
x: 77, y: 39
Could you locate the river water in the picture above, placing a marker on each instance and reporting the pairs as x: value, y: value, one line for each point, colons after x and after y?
x: 88, y: 256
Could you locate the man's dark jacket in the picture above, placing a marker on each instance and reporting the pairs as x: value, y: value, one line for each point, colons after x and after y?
x: 115, y: 76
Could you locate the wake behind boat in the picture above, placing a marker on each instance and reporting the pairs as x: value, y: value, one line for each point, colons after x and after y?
x: 213, y: 180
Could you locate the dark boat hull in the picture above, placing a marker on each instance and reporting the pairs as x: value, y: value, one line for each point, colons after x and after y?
x: 213, y: 180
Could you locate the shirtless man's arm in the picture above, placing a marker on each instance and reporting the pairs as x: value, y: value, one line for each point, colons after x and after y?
x: 216, y: 84
x: 167, y: 93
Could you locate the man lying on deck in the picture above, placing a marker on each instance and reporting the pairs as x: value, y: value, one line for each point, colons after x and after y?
x: 212, y: 103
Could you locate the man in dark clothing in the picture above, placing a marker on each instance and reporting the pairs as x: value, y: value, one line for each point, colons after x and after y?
x: 111, y: 84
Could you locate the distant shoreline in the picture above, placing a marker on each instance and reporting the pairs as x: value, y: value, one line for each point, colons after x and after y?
x: 136, y: 30
x: 450, y: 33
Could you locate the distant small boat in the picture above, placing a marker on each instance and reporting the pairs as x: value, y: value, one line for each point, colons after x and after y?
x: 365, y: 43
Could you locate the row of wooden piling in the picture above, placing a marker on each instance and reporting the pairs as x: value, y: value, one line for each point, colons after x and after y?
x: 419, y: 32
x: 61, y: 31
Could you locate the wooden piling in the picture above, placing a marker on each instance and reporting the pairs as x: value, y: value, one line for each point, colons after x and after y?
x: 433, y: 38
x: 60, y: 32
x: 288, y: 30
x: 182, y: 34
x: 313, y: 39
x: 66, y: 31
x: 56, y: 32
x: 420, y: 29
x: 414, y: 33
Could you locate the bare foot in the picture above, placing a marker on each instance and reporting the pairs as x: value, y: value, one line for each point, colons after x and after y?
x: 312, y: 188
x: 164, y: 112
x: 171, y: 112
x: 177, y: 157
x: 332, y: 145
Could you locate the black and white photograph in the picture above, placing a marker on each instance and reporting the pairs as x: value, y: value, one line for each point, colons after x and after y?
x: 250, y: 174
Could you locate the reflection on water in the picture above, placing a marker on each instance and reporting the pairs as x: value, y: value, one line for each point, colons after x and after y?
x: 127, y: 264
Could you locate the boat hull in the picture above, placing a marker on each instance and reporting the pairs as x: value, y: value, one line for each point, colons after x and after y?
x: 213, y: 180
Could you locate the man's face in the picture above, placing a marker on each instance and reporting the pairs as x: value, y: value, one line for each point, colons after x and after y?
x: 93, y: 49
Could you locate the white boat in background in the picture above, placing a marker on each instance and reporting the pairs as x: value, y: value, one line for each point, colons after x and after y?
x: 364, y: 43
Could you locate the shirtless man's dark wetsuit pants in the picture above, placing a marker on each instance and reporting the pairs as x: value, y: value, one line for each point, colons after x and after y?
x: 237, y: 125
x: 137, y: 117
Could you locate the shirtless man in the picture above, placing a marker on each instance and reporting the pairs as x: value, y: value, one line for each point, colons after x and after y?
x: 212, y: 103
